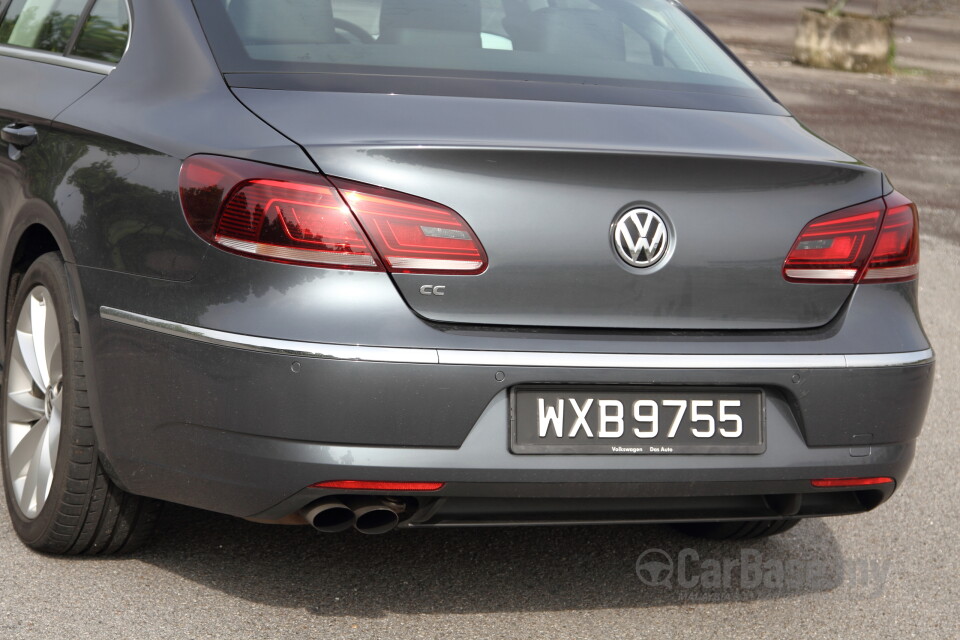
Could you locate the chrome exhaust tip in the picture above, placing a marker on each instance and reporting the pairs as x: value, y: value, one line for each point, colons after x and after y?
x: 329, y: 516
x: 374, y: 515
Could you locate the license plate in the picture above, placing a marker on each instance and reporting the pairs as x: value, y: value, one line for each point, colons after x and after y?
x: 636, y: 421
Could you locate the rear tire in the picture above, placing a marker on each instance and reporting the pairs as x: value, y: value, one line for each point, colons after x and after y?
x: 58, y: 496
x: 736, y: 529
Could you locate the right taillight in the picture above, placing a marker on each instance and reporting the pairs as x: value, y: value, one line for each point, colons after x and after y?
x: 896, y: 256
x: 877, y: 241
x: 282, y: 215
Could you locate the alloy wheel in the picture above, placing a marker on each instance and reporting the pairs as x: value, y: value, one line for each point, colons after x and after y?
x: 34, y: 406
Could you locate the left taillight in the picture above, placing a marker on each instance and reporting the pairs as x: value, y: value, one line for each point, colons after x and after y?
x: 877, y: 241
x: 414, y: 235
x: 296, y: 217
x: 272, y: 213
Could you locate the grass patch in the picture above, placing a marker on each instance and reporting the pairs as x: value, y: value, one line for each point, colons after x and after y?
x: 911, y: 72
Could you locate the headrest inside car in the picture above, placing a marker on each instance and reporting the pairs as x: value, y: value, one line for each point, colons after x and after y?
x: 575, y: 32
x: 430, y: 22
x: 283, y: 21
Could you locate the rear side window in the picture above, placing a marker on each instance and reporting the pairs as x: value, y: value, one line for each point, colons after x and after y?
x: 104, y: 34
x: 41, y: 24
x: 611, y: 42
x: 51, y: 25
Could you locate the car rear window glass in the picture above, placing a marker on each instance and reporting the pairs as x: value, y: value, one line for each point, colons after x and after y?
x: 41, y: 24
x: 104, y: 34
x: 612, y: 42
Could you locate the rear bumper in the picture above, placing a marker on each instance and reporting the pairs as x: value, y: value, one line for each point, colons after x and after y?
x: 238, y: 390
x: 245, y: 425
x: 433, y: 398
x: 269, y: 478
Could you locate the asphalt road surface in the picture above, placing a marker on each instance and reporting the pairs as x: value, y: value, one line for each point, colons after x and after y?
x: 890, y: 573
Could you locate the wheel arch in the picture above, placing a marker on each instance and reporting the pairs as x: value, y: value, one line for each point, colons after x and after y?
x: 29, y: 239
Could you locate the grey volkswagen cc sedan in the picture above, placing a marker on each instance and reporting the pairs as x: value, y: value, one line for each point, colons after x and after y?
x: 427, y: 263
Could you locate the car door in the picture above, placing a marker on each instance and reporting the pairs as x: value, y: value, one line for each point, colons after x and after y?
x: 52, y: 52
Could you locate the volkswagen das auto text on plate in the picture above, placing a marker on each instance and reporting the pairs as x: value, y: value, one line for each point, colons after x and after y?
x: 429, y: 263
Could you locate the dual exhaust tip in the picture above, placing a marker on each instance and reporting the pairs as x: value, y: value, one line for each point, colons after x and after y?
x: 366, y: 514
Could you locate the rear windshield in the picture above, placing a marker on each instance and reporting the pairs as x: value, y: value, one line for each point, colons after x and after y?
x: 618, y: 43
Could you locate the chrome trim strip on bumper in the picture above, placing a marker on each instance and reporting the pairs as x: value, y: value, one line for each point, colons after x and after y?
x: 682, y: 361
x: 362, y: 353
x: 270, y: 345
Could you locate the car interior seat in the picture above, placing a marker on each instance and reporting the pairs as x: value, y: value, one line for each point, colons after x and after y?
x: 454, y: 23
x: 283, y: 21
x: 571, y: 32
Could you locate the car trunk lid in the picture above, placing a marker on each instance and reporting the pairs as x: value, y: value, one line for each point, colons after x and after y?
x: 543, y: 184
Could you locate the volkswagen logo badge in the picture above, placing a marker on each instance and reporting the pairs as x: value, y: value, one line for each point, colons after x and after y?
x: 640, y: 237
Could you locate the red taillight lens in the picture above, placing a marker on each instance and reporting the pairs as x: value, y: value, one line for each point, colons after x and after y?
x: 835, y: 247
x: 850, y: 482
x: 360, y: 485
x: 896, y: 256
x: 414, y: 235
x: 292, y: 222
x: 302, y: 218
x: 272, y: 213
x: 876, y: 241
